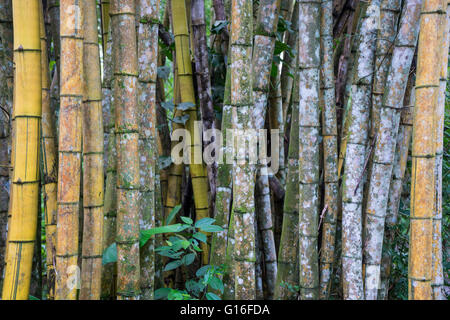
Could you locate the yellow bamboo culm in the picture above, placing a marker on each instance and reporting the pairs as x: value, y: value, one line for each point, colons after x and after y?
x: 49, y: 176
x: 197, y: 168
x: 424, y: 153
x: 27, y: 114
x: 105, y: 4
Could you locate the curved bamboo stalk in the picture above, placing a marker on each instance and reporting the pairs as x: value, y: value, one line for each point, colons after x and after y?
x: 25, y: 181
x: 437, y: 278
x: 197, y: 169
x: 289, y: 64
x: 383, y: 55
x: 127, y: 146
x: 355, y: 155
x: 148, y: 16
x: 330, y: 145
x: 424, y: 154
x: 49, y: 164
x: 93, y: 173
x: 386, y: 137
x: 277, y: 114
x: 70, y: 145
x: 243, y: 172
x: 344, y: 88
x: 396, y: 184
x: 288, y: 274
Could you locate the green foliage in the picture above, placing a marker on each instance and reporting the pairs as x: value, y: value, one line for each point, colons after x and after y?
x: 290, y: 287
x: 182, y: 247
x: 207, y: 279
x: 398, y: 250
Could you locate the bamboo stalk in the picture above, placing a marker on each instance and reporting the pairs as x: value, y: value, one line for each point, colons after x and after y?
x: 106, y: 21
x: 243, y: 172
x: 275, y: 96
x: 148, y: 59
x: 53, y: 8
x: 93, y: 173
x: 185, y: 78
x: 437, y: 279
x: 288, y: 273
x: 386, y: 136
x: 396, y: 184
x: 220, y: 240
x: 330, y: 145
x: 383, y: 55
x: 25, y: 181
x: 109, y: 271
x: 49, y: 164
x: 127, y: 146
x: 264, y: 45
x: 424, y: 154
x: 6, y: 90
x: 352, y: 194
x: 346, y: 91
x: 203, y: 80
x: 289, y: 64
x: 309, y: 126
x: 70, y: 147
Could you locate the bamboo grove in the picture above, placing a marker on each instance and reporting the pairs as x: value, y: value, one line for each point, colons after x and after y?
x: 224, y: 149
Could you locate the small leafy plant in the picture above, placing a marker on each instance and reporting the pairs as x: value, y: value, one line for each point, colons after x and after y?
x: 182, y: 247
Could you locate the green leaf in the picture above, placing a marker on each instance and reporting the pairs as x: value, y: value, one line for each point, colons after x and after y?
x: 185, y: 106
x: 194, y: 287
x: 216, y: 284
x: 145, y: 235
x: 161, y: 293
x: 181, y: 120
x: 281, y: 47
x: 200, y: 272
x: 30, y: 297
x: 110, y: 254
x: 175, y: 294
x: 212, y: 296
x: 200, y: 236
x: 164, y: 162
x: 168, y: 105
x: 163, y: 72
x: 218, y: 26
x: 187, y: 220
x: 185, y: 244
x: 172, y: 214
x: 172, y: 265
x: 188, y: 259
x: 204, y: 222
x: 212, y: 228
